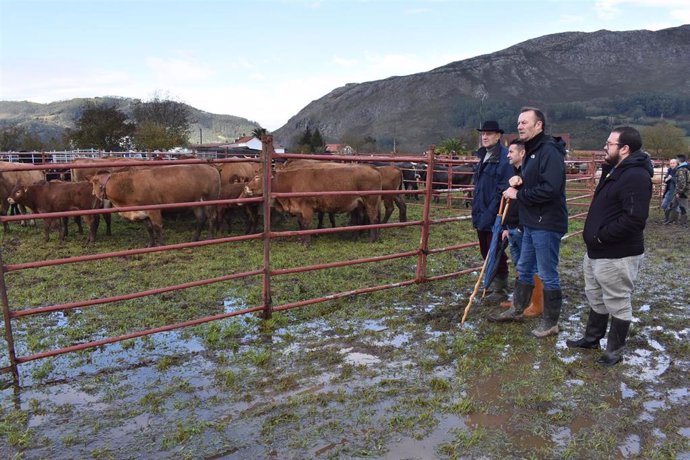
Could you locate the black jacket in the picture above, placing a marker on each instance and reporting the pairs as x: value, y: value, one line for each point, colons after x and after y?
x: 617, y: 215
x: 512, y: 219
x: 542, y: 194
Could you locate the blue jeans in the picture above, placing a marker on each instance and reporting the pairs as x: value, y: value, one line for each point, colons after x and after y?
x: 540, y: 254
x: 515, y: 245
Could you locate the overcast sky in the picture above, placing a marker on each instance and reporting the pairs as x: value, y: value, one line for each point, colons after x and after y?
x: 266, y: 60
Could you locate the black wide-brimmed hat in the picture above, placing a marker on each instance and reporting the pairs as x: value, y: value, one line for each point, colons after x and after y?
x: 490, y: 126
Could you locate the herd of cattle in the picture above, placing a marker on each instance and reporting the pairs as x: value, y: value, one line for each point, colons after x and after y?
x: 332, y: 187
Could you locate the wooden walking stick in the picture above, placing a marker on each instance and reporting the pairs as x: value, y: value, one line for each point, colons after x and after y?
x: 502, y: 211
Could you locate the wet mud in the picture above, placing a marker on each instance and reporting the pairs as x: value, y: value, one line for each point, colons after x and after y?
x: 396, y: 380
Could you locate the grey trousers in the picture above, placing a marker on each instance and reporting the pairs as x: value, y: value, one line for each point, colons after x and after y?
x: 609, y: 284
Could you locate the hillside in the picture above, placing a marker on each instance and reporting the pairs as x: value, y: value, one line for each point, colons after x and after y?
x: 570, y: 75
x: 49, y: 120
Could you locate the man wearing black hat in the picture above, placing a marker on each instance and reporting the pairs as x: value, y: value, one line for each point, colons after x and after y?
x: 490, y: 179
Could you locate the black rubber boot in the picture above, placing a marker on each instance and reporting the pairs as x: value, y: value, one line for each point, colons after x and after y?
x: 683, y: 221
x: 553, y: 300
x: 522, y: 294
x: 596, y: 330
x: 673, y: 217
x: 615, y: 342
x: 667, y: 214
x: 498, y: 289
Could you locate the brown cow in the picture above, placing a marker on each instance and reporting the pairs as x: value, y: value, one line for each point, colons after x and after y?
x: 9, y: 180
x: 233, y: 176
x: 317, y: 180
x: 80, y: 174
x: 58, y: 196
x: 391, y: 179
x: 161, y: 185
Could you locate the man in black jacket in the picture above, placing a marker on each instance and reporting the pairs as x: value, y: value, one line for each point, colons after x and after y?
x: 540, y: 193
x: 614, y: 235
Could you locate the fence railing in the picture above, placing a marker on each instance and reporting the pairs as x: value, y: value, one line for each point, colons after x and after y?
x: 267, y: 272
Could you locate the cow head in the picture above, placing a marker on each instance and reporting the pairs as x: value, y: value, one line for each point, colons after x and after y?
x: 253, y: 188
x: 98, y: 183
x: 18, y: 192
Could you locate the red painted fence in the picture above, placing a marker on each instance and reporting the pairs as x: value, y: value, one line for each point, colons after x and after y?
x: 581, y: 182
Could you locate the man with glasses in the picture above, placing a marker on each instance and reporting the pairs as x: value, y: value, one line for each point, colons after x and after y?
x: 540, y: 193
x: 614, y: 235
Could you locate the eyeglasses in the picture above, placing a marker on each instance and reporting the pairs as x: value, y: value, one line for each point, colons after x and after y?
x: 609, y: 144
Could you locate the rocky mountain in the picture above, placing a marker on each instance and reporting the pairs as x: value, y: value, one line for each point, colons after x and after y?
x: 579, y: 79
x: 49, y: 120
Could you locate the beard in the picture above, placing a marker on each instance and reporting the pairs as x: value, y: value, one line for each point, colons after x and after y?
x: 612, y: 158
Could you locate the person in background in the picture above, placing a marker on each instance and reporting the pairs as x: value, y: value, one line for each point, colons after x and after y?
x: 682, y: 189
x: 614, y: 236
x: 490, y: 179
x: 513, y: 231
x: 540, y: 192
x: 669, y: 203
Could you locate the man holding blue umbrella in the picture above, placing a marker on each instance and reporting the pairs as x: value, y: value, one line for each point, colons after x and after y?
x: 490, y: 180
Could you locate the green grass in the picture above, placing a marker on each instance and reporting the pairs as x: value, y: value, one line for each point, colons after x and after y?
x: 285, y: 386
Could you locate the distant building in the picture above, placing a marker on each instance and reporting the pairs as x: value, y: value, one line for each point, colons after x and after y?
x: 247, y: 145
x: 340, y: 149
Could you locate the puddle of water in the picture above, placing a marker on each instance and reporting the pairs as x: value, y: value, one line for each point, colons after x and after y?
x: 646, y: 365
x: 656, y: 345
x: 562, y: 436
x: 653, y: 405
x: 397, y: 340
x: 658, y: 433
x: 488, y: 421
x: 373, y: 325
x: 645, y: 417
x: 359, y: 359
x: 684, y: 431
x: 231, y: 304
x: 679, y: 396
x: 411, y: 448
x: 627, y: 392
x: 630, y: 446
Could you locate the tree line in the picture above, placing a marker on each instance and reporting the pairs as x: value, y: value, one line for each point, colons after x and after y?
x: 157, y: 124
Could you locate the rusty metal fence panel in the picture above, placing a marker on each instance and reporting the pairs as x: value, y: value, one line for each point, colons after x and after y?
x: 265, y: 272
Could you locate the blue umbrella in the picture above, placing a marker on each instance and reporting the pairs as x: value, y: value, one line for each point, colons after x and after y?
x: 497, y: 247
x: 493, y: 256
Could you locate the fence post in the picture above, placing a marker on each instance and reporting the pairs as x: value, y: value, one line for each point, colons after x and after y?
x: 8, y: 320
x: 266, y: 163
x: 424, y: 239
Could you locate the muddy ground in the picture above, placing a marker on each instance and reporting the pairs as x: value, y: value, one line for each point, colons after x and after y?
x: 396, y: 380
